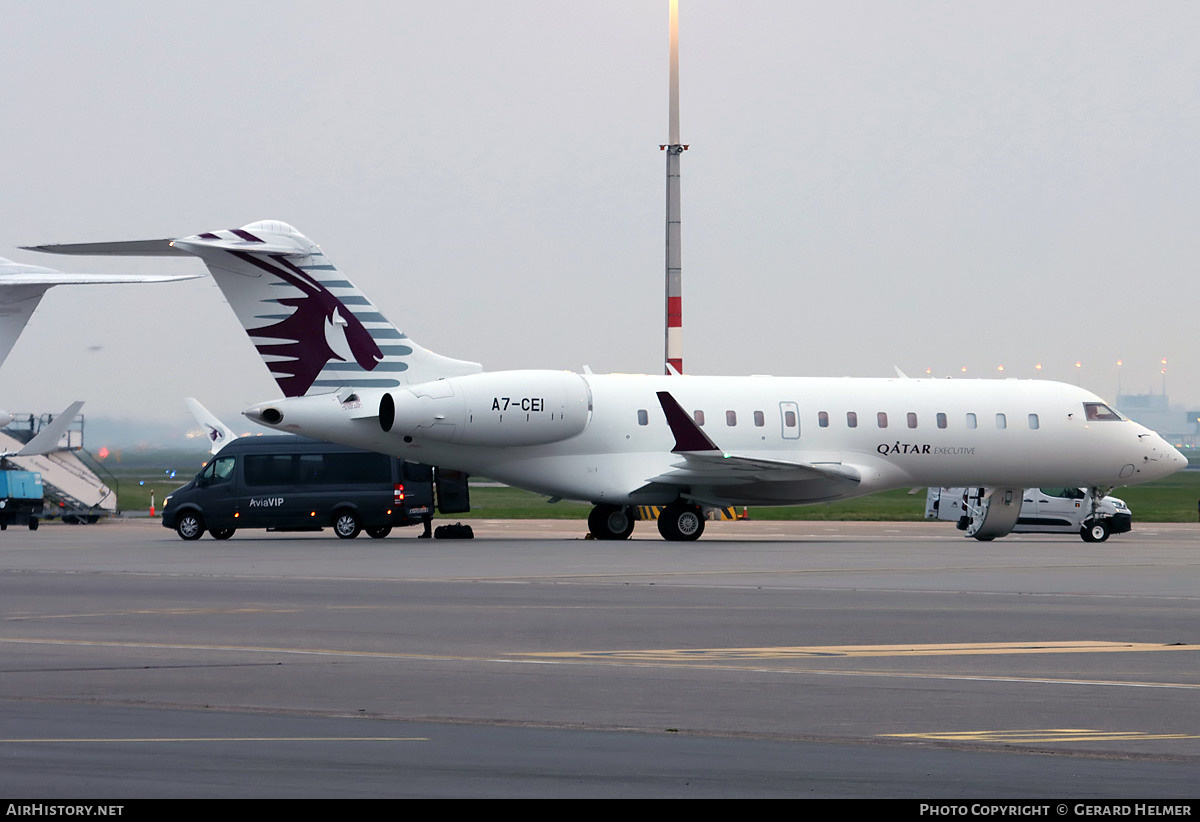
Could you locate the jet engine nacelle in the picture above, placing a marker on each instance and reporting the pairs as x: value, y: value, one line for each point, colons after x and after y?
x: 499, y: 408
x: 992, y: 512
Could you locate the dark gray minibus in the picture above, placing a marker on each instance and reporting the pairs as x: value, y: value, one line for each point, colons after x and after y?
x: 289, y: 483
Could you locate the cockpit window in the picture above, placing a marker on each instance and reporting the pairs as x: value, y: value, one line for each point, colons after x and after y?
x: 1099, y: 411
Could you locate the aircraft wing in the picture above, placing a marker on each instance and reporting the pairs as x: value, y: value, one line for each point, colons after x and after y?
x: 16, y: 274
x: 731, y: 469
x: 702, y: 463
x: 48, y: 438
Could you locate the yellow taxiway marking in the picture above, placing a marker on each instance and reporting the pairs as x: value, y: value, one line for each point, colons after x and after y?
x: 860, y: 651
x: 731, y: 659
x: 151, y: 612
x: 233, y: 739
x: 1040, y: 736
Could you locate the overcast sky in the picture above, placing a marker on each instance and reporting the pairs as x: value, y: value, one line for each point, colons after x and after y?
x: 870, y: 184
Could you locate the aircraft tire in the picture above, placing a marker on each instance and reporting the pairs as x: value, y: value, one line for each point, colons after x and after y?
x: 346, y: 525
x: 189, y: 526
x: 611, y: 522
x: 680, y: 522
x: 1097, y: 531
x: 380, y: 532
x: 222, y: 533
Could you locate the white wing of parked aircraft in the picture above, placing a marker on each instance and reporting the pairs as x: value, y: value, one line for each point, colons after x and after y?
x: 47, y: 440
x: 621, y: 440
x: 22, y: 287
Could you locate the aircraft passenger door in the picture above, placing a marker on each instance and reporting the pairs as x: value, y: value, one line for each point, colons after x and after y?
x: 789, y: 419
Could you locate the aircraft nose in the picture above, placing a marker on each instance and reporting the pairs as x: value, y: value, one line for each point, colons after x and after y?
x: 1177, y: 458
x: 1167, y: 456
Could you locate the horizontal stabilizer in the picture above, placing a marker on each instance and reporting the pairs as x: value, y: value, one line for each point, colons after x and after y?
x: 125, y: 248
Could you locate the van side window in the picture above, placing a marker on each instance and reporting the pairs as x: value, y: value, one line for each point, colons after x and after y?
x: 353, y: 469
x: 268, y: 469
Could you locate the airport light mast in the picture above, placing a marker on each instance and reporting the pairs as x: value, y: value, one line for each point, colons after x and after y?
x: 673, y: 347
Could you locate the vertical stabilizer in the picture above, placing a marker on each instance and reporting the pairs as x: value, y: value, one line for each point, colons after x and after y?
x: 314, y: 329
x: 219, y: 434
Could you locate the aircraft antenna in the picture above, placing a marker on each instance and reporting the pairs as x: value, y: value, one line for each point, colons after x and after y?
x: 673, y: 347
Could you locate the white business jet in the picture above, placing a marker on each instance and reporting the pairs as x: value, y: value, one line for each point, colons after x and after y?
x: 622, y: 440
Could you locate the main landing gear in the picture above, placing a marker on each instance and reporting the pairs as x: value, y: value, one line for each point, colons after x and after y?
x: 611, y: 521
x: 679, y: 522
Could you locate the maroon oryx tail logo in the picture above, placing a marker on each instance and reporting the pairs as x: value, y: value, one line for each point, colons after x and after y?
x: 320, y: 329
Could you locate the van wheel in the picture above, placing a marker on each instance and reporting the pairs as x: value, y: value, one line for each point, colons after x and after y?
x: 189, y: 526
x: 380, y: 532
x: 345, y: 525
x: 222, y: 533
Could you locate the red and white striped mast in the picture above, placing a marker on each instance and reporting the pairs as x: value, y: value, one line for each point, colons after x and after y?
x: 674, y: 337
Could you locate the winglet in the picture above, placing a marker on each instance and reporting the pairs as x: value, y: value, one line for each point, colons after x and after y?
x: 688, y: 436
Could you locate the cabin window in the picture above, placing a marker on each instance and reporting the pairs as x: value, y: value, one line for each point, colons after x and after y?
x: 760, y: 419
x: 852, y: 419
x: 881, y: 419
x: 789, y: 413
x: 912, y: 420
x: 941, y: 420
x: 1099, y: 411
x: 1001, y: 421
x: 1033, y: 422
x: 823, y: 419
x: 731, y: 418
x: 643, y: 417
x: 970, y: 420
x: 698, y: 416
